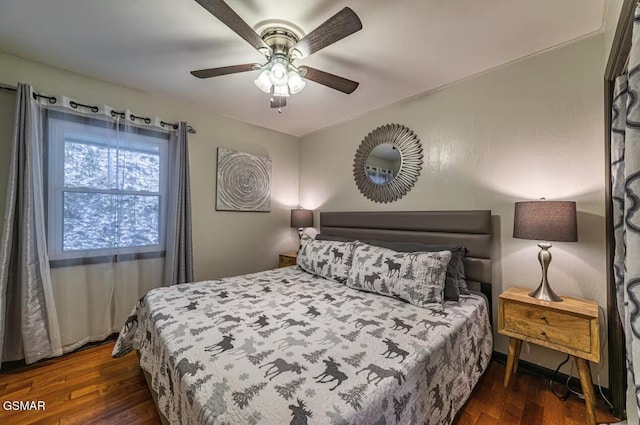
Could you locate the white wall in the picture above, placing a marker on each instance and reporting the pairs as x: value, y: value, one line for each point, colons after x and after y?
x: 609, y: 24
x: 529, y: 129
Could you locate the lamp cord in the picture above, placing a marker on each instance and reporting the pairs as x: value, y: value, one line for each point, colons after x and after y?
x: 568, y: 389
x: 561, y: 397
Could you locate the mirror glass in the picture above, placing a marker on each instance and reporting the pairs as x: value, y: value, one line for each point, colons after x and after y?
x: 383, y: 163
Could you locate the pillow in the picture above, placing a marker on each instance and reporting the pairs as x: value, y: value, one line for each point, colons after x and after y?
x: 328, y: 259
x: 455, y: 279
x: 321, y: 237
x: 455, y: 282
x: 416, y: 277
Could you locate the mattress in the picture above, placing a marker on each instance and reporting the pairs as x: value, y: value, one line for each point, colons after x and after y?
x: 283, y: 346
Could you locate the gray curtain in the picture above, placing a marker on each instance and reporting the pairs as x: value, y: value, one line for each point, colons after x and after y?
x: 625, y: 178
x: 179, y: 247
x: 28, y: 320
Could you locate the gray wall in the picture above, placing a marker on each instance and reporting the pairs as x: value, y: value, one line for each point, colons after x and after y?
x: 7, y: 111
x: 225, y: 243
x: 530, y: 129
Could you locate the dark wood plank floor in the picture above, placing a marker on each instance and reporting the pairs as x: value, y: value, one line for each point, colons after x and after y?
x: 527, y: 401
x: 89, y: 387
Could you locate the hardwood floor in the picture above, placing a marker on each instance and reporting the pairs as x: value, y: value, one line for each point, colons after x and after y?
x: 89, y: 387
x: 527, y: 401
x: 86, y: 387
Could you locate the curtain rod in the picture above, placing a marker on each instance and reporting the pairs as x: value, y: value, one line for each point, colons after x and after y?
x: 74, y: 105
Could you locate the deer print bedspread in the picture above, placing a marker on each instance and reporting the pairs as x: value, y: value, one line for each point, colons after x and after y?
x: 285, y: 347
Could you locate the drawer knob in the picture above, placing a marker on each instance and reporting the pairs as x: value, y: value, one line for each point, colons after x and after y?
x: 542, y: 317
x: 543, y: 333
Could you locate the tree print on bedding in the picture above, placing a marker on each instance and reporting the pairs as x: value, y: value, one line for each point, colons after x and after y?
x: 414, y: 277
x: 315, y: 356
x: 362, y: 351
x: 328, y: 259
x: 354, y: 396
x: 288, y: 390
x: 244, y: 397
x: 355, y: 359
x: 257, y: 358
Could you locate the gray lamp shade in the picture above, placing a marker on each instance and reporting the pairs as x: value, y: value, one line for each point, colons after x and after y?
x: 546, y: 221
x: 301, y: 218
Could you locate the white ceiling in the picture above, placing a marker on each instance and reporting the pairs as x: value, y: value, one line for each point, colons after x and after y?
x: 406, y: 47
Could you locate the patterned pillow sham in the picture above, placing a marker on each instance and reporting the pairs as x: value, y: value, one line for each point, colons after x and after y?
x: 328, y: 259
x: 416, y: 277
x: 455, y: 282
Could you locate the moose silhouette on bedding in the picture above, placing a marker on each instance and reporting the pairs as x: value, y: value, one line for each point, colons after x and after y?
x: 227, y: 351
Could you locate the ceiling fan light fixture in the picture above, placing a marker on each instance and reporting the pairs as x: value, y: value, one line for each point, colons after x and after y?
x: 278, y: 74
x: 264, y: 82
x: 282, y: 43
x: 295, y: 82
x: 281, y: 91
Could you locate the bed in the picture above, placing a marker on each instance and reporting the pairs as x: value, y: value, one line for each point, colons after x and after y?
x: 284, y: 346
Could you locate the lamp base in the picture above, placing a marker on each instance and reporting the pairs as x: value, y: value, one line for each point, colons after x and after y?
x: 544, y: 291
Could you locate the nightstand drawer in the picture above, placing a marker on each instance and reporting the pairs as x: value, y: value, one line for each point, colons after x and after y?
x: 547, y: 325
x: 287, y: 260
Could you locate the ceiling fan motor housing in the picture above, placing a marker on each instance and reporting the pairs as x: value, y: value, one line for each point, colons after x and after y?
x: 279, y: 39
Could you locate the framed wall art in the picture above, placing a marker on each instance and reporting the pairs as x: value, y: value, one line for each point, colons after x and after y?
x: 243, y: 182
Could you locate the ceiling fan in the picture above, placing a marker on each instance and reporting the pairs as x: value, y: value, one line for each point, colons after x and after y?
x: 281, y: 44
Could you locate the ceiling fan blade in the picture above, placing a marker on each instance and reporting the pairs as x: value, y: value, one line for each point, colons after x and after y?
x: 227, y: 16
x: 330, y: 80
x: 223, y: 70
x: 337, y: 27
x: 278, y: 101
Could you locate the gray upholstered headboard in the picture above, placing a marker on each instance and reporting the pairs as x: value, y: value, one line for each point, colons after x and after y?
x: 471, y: 229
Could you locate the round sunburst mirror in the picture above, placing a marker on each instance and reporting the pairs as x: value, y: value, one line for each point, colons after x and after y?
x: 387, y: 163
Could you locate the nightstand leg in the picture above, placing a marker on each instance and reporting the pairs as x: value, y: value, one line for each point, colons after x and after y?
x: 512, y: 360
x: 587, y: 388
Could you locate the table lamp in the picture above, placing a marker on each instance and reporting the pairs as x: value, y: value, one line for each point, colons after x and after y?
x: 301, y: 218
x: 545, y: 221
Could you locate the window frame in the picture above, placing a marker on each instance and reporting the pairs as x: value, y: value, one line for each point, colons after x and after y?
x: 94, y: 131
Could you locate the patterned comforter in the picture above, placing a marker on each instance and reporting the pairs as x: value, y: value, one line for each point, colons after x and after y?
x: 285, y: 347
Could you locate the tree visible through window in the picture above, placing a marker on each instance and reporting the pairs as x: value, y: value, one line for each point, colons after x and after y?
x: 106, y: 188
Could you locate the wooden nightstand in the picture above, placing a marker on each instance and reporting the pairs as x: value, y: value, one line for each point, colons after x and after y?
x: 288, y: 259
x: 570, y: 326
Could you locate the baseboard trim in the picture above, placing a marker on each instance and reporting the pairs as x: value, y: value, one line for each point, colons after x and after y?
x: 543, y: 372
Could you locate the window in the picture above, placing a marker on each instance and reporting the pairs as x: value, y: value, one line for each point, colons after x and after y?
x: 106, y: 188
x: 379, y: 175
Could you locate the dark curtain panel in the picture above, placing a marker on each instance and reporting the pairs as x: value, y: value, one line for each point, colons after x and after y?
x: 179, y: 247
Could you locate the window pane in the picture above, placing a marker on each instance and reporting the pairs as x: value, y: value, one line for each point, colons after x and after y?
x: 140, y: 170
x: 87, y: 165
x: 89, y: 221
x: 139, y: 220
x: 93, y: 165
